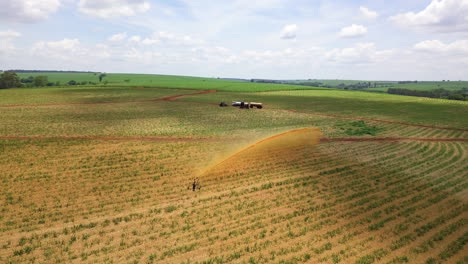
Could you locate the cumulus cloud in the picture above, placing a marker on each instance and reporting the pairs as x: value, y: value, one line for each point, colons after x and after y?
x: 289, y: 31
x: 9, y: 34
x: 27, y: 11
x: 361, y: 53
x: 113, y: 8
x: 118, y: 37
x: 439, y: 15
x: 353, y: 31
x: 437, y: 46
x: 59, y: 49
x: 69, y: 50
x: 6, y: 40
x: 367, y: 13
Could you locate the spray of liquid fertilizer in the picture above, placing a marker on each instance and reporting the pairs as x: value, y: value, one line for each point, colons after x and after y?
x: 281, y: 145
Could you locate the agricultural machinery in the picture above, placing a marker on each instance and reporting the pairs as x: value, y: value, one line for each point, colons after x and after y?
x: 247, y: 105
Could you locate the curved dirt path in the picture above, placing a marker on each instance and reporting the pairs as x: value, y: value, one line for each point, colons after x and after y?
x: 165, y: 98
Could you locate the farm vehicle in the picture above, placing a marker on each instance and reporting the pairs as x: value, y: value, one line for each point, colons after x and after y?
x: 244, y: 105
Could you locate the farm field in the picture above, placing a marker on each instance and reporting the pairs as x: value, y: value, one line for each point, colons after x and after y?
x: 103, y: 175
x: 199, y: 83
x: 165, y: 81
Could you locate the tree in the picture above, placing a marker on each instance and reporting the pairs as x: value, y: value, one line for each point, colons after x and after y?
x: 102, y: 75
x: 9, y: 80
x: 40, y: 81
x: 30, y: 79
x: 72, y: 82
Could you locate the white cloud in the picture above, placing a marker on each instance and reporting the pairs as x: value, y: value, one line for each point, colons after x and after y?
x: 171, y: 39
x: 135, y: 38
x: 6, y: 40
x: 113, y: 8
x: 439, y: 15
x: 118, y: 37
x: 437, y: 46
x: 27, y: 11
x: 69, y: 50
x: 361, y: 53
x: 367, y: 13
x: 9, y: 34
x: 353, y: 31
x: 215, y: 54
x: 59, y: 49
x: 289, y: 31
x: 150, y: 41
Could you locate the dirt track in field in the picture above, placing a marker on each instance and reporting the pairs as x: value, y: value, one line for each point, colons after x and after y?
x: 174, y: 97
x: 165, y: 98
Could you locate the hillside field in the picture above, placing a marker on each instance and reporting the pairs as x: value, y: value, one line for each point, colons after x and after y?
x: 168, y: 81
x: 103, y: 174
x: 164, y: 81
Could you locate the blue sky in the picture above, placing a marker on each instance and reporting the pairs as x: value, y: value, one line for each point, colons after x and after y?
x: 279, y: 39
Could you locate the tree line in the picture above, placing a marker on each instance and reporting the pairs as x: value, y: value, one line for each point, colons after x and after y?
x: 461, y: 95
x: 10, y: 79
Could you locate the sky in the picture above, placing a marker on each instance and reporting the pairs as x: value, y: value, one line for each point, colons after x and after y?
x: 274, y: 39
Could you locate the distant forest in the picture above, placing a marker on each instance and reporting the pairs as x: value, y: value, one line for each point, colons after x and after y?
x: 461, y: 95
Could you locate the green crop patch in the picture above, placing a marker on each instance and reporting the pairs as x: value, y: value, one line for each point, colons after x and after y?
x: 360, y: 128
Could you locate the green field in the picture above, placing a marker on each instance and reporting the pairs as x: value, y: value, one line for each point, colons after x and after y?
x: 102, y: 174
x: 166, y: 81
